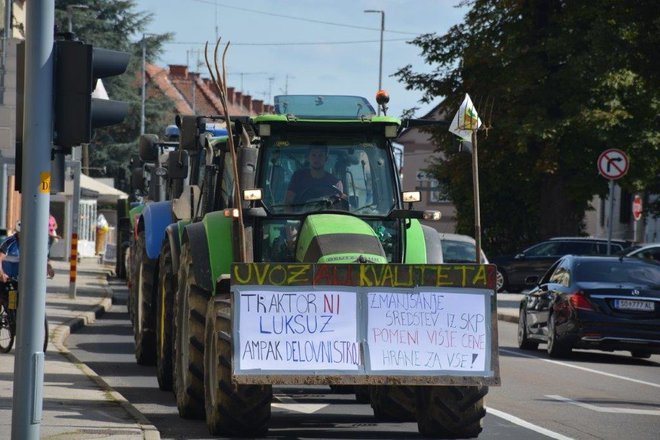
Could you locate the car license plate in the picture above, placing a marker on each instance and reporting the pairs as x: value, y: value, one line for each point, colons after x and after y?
x: 13, y: 299
x: 634, y: 304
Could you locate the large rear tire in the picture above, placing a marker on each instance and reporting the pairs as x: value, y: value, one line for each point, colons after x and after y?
x: 167, y: 284
x: 190, y: 316
x: 144, y: 319
x: 135, y: 252
x: 450, y: 411
x: 231, y: 410
x: 393, y: 403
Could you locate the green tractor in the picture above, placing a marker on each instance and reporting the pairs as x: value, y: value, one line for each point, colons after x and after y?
x: 200, y: 137
x: 311, y: 267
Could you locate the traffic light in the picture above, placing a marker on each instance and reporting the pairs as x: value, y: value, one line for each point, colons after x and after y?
x: 77, y: 68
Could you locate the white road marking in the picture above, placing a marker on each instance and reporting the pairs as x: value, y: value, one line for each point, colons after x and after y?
x: 605, y: 409
x: 590, y: 370
x: 518, y: 421
x: 291, y: 405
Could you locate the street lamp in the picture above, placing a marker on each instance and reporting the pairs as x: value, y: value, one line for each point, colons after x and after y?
x: 69, y: 14
x: 382, y: 30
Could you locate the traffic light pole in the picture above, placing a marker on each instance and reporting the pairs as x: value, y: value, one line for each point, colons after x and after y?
x: 27, y: 401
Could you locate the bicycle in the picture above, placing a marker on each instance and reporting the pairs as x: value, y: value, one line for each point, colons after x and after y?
x: 8, y: 314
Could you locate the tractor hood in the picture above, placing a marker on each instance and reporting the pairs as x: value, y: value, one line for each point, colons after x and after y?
x: 337, y: 238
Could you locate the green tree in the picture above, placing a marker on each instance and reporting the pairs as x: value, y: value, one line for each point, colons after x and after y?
x: 115, y: 24
x: 569, y: 79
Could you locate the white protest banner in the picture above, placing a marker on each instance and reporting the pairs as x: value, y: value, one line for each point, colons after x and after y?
x: 427, y: 331
x: 297, y: 330
x: 466, y: 120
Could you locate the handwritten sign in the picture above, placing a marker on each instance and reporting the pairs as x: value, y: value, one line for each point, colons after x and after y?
x: 427, y: 330
x: 365, y: 275
x: 363, y: 319
x: 297, y: 330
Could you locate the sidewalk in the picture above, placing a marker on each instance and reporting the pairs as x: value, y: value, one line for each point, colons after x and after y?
x: 77, y: 403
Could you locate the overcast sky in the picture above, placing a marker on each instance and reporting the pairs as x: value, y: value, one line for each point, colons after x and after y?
x: 271, y: 51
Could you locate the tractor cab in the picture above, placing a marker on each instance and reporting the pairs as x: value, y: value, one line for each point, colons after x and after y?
x: 326, y: 167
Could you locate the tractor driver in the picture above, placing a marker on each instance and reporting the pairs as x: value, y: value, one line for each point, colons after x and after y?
x: 315, y: 181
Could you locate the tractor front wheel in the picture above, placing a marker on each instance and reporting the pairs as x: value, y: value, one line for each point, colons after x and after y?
x: 393, y: 403
x: 450, y: 411
x: 145, y: 337
x: 231, y: 410
x: 167, y: 284
x: 190, y: 315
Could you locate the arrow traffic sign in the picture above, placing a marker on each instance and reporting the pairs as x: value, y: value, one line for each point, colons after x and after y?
x: 612, y: 164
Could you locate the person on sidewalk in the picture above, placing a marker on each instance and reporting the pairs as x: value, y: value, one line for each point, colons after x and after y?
x: 9, y: 255
x: 10, y: 252
x: 52, y: 232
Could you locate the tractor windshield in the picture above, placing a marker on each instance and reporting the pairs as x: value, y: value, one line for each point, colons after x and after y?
x: 302, y: 175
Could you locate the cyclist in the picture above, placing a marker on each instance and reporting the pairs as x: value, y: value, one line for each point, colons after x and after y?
x: 9, y: 255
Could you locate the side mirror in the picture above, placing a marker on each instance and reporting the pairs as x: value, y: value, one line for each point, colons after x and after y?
x: 177, y: 164
x: 137, y: 179
x: 148, y: 147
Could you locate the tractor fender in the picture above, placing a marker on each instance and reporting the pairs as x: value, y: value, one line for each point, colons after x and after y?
x: 134, y: 215
x: 195, y: 235
x: 422, y: 244
x: 173, y: 234
x: 220, y: 236
x: 155, y: 218
x: 211, y: 248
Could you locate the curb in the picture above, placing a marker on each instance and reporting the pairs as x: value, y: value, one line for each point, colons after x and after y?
x: 149, y: 431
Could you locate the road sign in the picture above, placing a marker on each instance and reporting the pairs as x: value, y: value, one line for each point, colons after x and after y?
x: 637, y: 208
x: 613, y: 164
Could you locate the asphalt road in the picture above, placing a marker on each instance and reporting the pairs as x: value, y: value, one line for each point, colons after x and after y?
x: 594, y: 395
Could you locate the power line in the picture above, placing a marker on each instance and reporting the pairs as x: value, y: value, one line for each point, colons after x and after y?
x: 309, y: 20
x: 310, y: 43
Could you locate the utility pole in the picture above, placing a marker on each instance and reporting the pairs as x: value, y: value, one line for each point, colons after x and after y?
x: 270, y: 89
x: 27, y: 403
x: 144, y: 80
x: 144, y: 83
x: 380, y: 63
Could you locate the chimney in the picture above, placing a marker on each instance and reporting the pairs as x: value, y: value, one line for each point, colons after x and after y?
x: 238, y: 98
x: 179, y: 70
x: 258, y: 106
x: 230, y: 95
x: 247, y: 103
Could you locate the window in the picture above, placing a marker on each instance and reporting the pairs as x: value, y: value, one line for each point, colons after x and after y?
x: 362, y: 165
x: 561, y: 276
x: 578, y: 248
x: 544, y: 249
x: 437, y: 191
x: 227, y: 184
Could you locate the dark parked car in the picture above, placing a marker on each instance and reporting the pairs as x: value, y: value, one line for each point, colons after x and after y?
x: 604, y: 303
x: 520, y: 271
